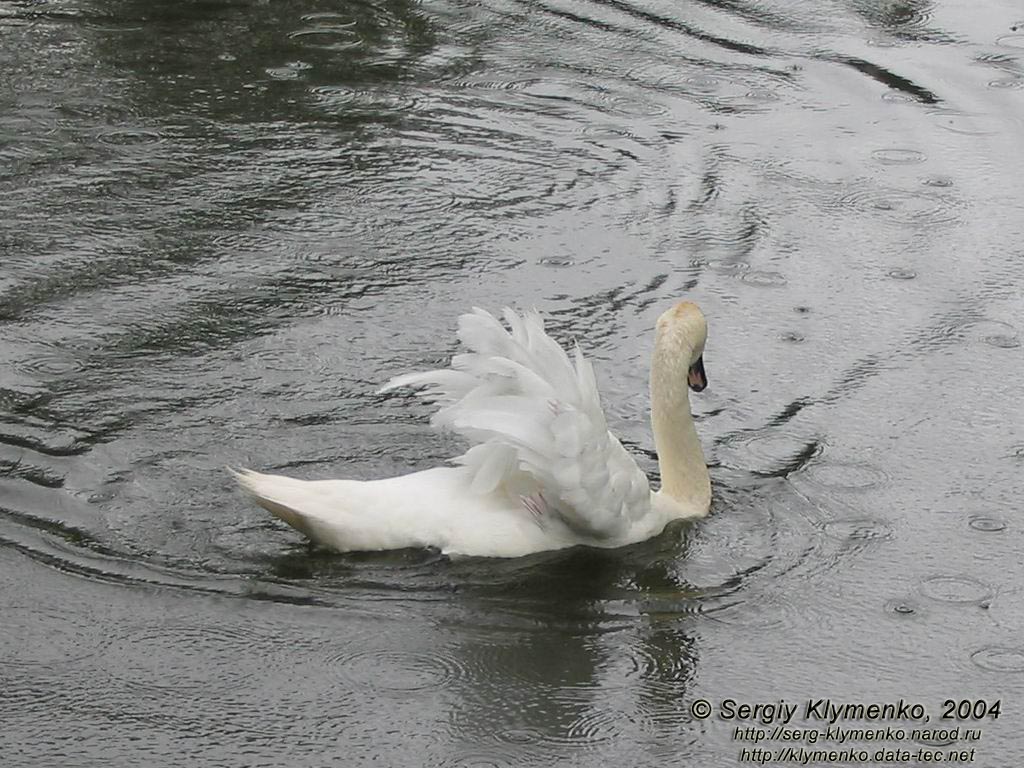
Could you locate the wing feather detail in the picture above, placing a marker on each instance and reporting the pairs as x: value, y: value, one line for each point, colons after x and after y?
x: 535, y: 424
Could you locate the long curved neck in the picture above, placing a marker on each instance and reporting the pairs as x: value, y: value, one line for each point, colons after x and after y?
x: 684, y: 472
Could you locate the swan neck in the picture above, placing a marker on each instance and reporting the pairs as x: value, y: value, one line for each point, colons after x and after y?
x: 684, y: 472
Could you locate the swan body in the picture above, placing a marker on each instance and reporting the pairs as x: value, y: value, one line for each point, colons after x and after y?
x: 543, y: 472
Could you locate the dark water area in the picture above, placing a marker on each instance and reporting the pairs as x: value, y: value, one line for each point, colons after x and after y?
x: 225, y: 224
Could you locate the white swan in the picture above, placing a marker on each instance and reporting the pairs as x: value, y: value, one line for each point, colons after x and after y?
x: 543, y: 471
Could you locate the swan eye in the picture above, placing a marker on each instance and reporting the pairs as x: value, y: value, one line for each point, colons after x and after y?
x: 696, y: 377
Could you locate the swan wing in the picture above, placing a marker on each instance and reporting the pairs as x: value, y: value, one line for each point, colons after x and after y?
x: 534, y: 419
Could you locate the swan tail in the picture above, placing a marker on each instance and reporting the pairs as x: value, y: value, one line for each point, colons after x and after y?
x: 283, y: 497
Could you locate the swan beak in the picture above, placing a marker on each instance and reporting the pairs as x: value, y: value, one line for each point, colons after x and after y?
x: 696, y: 377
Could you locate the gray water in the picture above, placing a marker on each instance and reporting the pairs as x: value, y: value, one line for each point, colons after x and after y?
x: 224, y: 224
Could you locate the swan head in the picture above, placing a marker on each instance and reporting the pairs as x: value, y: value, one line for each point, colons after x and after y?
x: 679, y: 341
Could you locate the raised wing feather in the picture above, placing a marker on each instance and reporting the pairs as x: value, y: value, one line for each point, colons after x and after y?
x: 535, y: 420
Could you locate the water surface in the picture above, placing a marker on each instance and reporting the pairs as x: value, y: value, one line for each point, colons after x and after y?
x: 226, y: 223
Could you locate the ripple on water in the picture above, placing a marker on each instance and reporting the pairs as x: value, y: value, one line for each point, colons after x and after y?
x: 345, y: 101
x: 283, y: 359
x: 902, y: 274
x: 49, y: 362
x: 964, y: 124
x: 327, y: 33
x: 845, y: 476
x: 994, y: 333
x: 737, y: 567
x: 958, y: 589
x: 898, y: 156
x: 669, y: 76
x: 999, y: 659
x: 187, y: 658
x: 938, y: 181
x: 498, y: 756
x: 1007, y: 83
x: 898, y: 97
x: 396, y: 671
x: 48, y: 636
x: 986, y: 524
x: 902, y: 607
x: 1011, y: 41
x: 598, y: 726
x: 648, y: 664
x: 858, y: 530
x: 704, y: 83
x: 637, y: 106
x: 291, y: 71
x: 763, y: 278
x: 900, y: 206
x: 1002, y: 341
x: 769, y: 453
x: 761, y: 95
x: 130, y: 136
x: 751, y: 611
x: 556, y: 261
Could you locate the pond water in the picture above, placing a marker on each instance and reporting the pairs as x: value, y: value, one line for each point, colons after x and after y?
x: 225, y: 224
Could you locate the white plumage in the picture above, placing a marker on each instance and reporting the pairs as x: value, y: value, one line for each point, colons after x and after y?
x: 542, y: 471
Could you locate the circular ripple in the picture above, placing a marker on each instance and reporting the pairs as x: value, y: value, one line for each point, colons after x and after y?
x: 556, y: 261
x: 1007, y: 83
x: 994, y: 333
x: 128, y: 137
x: 291, y: 71
x: 902, y: 607
x: 342, y: 100
x: 722, y: 266
x: 767, y: 452
x: 999, y: 659
x: 986, y: 524
x: 845, y: 476
x: 49, y: 363
x: 753, y: 612
x: 42, y: 636
x: 763, y: 278
x: 900, y: 206
x: 941, y: 182
x: 792, y: 337
x: 897, y: 97
x: 633, y: 106
x: 965, y: 125
x: 650, y: 664
x: 1003, y: 341
x: 396, y: 671
x: 858, y: 529
x: 898, y: 156
x: 479, y: 758
x: 703, y: 82
x: 1011, y: 41
x: 762, y: 95
x: 598, y: 726
x: 188, y: 658
x: 902, y: 274
x: 335, y: 37
x: 956, y: 589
